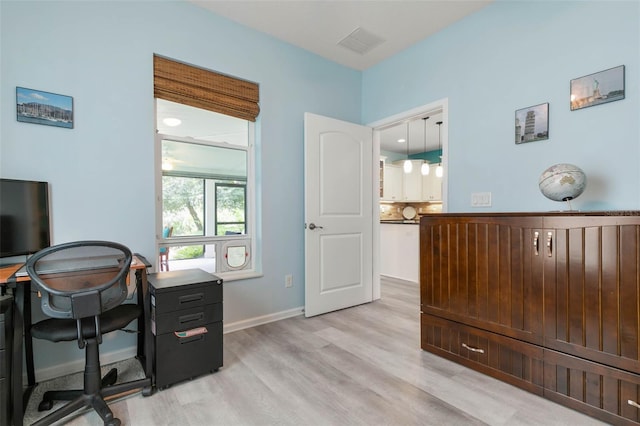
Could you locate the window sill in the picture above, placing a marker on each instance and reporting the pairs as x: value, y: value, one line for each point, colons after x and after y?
x: 238, y: 275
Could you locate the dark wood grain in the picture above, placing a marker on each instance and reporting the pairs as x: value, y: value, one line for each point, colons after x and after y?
x: 564, y: 284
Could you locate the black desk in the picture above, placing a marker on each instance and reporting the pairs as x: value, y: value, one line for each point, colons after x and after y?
x: 21, y: 287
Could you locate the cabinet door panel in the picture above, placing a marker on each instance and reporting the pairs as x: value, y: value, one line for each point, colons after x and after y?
x: 591, y: 289
x: 483, y: 271
x: 600, y: 391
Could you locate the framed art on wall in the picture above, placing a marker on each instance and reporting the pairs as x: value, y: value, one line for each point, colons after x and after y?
x: 598, y: 88
x: 39, y: 107
x: 532, y: 123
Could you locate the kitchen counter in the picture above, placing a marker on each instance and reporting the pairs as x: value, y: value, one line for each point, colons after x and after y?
x: 401, y: 222
x: 399, y: 251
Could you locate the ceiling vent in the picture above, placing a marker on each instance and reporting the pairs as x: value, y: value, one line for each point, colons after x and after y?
x: 361, y: 41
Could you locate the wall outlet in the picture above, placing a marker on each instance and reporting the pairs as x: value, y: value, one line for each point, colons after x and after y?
x: 288, y: 280
x: 481, y: 199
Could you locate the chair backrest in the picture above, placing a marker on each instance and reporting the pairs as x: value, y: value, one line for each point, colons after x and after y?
x: 166, y: 233
x: 80, y: 279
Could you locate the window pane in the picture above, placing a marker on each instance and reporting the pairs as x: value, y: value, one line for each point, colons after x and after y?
x: 183, y: 205
x: 201, y: 256
x: 230, y: 209
x: 192, y: 159
x: 200, y: 124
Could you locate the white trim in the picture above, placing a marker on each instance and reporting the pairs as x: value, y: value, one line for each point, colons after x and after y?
x: 264, y: 319
x: 77, y: 366
x: 397, y: 280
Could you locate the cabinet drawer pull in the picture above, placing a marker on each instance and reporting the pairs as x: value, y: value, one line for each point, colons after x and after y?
x: 472, y: 349
x: 191, y: 317
x: 633, y: 403
x: 536, y: 237
x: 191, y: 298
x: 549, y: 243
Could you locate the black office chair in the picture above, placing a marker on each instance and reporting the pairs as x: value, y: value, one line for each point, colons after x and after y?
x: 83, y: 285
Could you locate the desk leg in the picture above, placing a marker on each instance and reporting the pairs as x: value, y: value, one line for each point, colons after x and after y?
x: 28, y: 341
x: 16, y: 359
x: 145, y: 347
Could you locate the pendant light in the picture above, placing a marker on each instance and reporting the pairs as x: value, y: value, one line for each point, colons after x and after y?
x: 439, y: 169
x: 424, y: 169
x: 407, y: 163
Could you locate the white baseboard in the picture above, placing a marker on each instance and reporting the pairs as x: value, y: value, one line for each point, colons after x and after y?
x: 76, y: 366
x: 253, y: 322
x: 397, y: 279
x: 130, y: 352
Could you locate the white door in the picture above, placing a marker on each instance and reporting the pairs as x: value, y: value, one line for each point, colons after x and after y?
x: 338, y: 214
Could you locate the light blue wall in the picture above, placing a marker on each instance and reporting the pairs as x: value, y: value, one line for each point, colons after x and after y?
x: 101, y: 173
x: 515, y: 54
x: 508, y: 56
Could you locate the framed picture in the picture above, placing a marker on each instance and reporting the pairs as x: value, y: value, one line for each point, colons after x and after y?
x: 599, y: 88
x: 38, y: 107
x: 532, y: 123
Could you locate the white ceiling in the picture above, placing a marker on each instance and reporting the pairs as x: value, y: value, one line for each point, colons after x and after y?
x: 318, y: 26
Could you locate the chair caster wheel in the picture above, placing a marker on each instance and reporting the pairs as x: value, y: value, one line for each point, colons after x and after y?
x: 45, y: 405
x: 112, y: 422
x: 148, y: 391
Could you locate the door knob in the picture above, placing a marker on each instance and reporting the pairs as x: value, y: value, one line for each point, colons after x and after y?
x: 313, y: 226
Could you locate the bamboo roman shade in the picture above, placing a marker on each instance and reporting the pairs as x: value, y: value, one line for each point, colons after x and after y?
x: 200, y: 88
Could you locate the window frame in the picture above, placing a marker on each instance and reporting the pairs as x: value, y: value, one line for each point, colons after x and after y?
x: 220, y: 241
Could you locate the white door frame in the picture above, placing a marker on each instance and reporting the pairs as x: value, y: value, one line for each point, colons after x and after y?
x: 417, y: 112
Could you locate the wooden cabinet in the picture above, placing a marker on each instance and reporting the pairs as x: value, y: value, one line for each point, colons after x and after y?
x: 392, y: 186
x: 555, y: 296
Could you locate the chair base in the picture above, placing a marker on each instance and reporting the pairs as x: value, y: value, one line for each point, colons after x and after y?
x: 97, y: 402
x: 69, y: 395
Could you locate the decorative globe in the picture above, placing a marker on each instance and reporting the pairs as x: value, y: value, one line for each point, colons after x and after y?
x: 562, y: 182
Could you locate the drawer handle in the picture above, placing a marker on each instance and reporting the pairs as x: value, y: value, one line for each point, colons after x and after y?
x: 472, y: 349
x: 549, y: 243
x: 190, y: 333
x: 536, y: 237
x: 633, y: 403
x: 191, y: 298
x: 189, y: 318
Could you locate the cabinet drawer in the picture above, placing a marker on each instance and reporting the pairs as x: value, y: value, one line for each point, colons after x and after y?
x: 604, y: 392
x: 184, y: 289
x: 185, y: 319
x: 186, y: 297
x: 180, y: 359
x: 503, y: 358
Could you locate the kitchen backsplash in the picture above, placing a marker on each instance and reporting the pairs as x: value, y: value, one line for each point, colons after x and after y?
x: 393, y: 211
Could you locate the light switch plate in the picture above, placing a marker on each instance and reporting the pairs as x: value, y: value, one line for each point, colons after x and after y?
x: 481, y: 199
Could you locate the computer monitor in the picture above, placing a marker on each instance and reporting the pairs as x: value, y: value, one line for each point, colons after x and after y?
x: 24, y: 217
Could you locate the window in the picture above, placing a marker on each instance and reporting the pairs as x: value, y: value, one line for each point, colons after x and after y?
x: 204, y: 190
x: 205, y: 169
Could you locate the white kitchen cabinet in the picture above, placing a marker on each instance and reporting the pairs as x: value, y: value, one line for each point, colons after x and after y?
x: 392, y: 184
x: 432, y: 185
x: 400, y: 251
x: 412, y: 183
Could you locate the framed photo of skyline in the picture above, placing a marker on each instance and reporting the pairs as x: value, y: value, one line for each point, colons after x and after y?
x: 39, y: 107
x: 598, y: 88
x: 532, y: 123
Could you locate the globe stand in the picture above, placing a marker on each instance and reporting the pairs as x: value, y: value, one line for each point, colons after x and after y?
x: 568, y: 200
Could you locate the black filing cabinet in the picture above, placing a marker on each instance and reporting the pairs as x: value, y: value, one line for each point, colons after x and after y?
x: 6, y: 338
x: 186, y: 321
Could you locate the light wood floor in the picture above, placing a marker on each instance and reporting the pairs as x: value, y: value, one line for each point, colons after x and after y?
x: 359, y: 366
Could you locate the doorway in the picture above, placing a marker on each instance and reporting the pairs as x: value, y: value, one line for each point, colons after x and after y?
x: 440, y: 108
